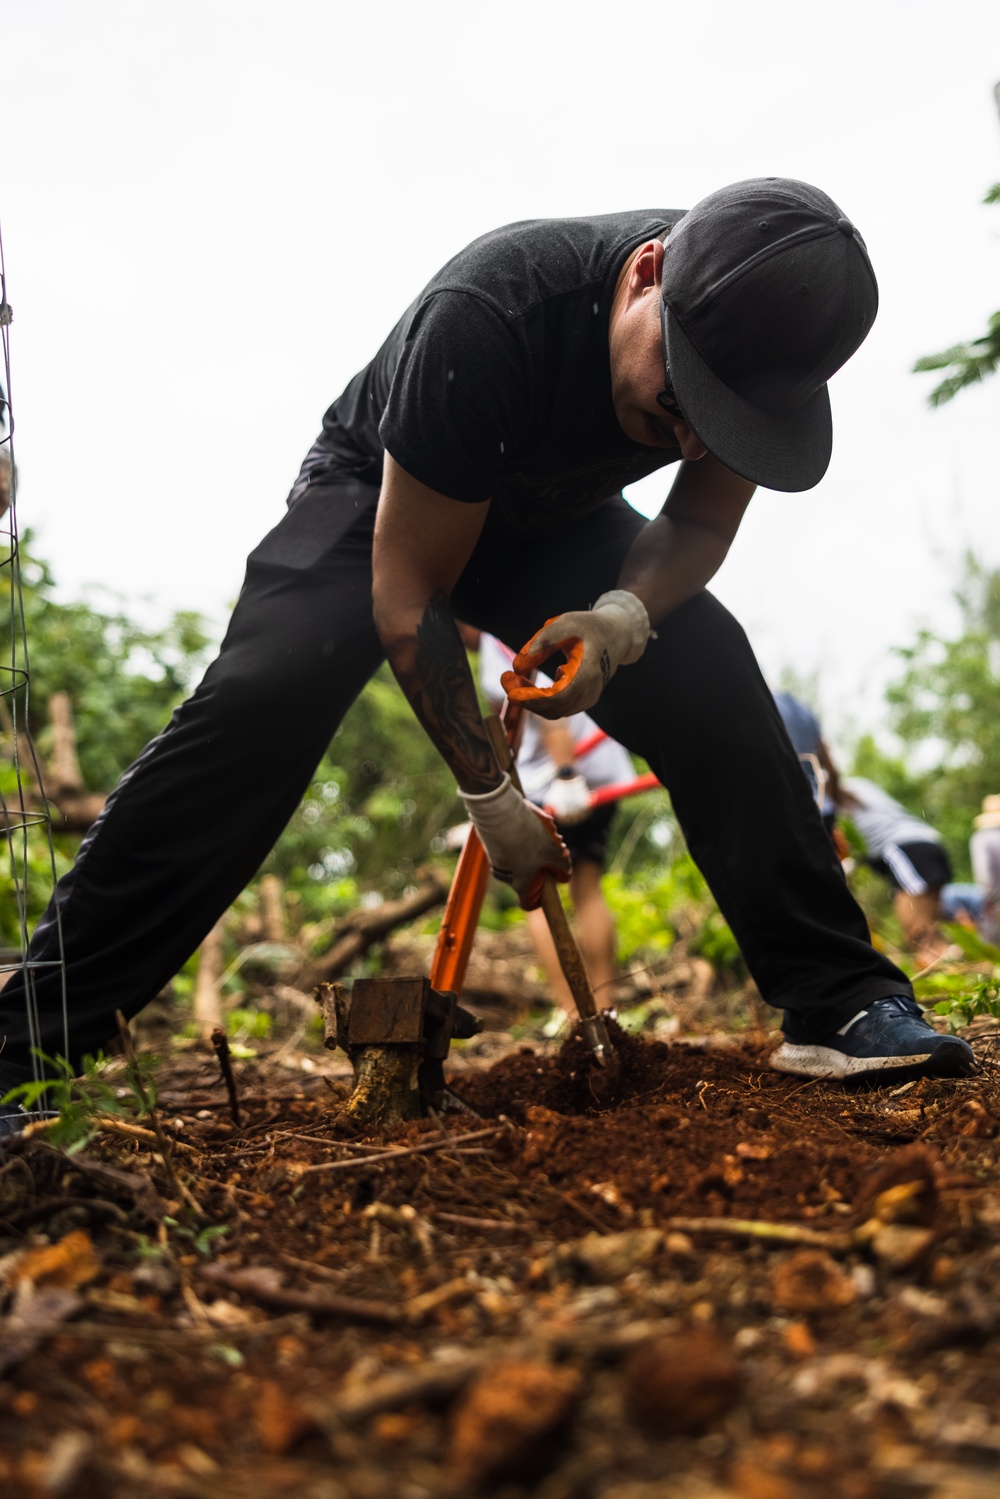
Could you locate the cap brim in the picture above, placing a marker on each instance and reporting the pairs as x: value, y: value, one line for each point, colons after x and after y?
x: 786, y: 450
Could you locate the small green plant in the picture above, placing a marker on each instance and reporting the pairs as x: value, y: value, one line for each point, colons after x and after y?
x: 128, y: 1093
x: 202, y: 1239
x: 961, y: 1009
x: 715, y: 941
x: 248, y: 1025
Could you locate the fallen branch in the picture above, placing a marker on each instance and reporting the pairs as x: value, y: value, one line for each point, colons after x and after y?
x: 429, y: 1385
x: 484, y: 1223
x: 391, y: 1155
x: 349, y: 1308
x: 755, y: 1228
x: 363, y: 928
x: 108, y: 1124
x: 120, y: 1332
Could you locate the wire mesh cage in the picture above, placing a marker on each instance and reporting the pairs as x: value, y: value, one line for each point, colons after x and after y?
x: 29, y: 875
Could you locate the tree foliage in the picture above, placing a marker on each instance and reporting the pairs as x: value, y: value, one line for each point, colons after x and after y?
x: 970, y: 362
x: 944, y: 709
x: 123, y: 680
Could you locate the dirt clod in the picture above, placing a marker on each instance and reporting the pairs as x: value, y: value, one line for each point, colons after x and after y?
x: 680, y: 1383
x: 811, y: 1283
x: 505, y: 1424
x: 609, y: 1257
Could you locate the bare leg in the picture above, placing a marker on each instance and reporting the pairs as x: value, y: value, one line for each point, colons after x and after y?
x: 918, y: 917
x: 545, y: 948
x: 595, y: 927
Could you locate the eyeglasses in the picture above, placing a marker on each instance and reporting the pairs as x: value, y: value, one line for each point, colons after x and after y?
x: 666, y: 399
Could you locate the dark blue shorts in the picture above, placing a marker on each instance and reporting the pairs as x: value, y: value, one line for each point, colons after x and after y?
x: 589, y: 839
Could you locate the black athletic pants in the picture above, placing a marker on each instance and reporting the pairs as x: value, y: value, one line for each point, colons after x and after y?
x: 193, y: 819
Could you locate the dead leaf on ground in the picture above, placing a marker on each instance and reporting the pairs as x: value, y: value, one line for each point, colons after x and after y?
x: 70, y: 1263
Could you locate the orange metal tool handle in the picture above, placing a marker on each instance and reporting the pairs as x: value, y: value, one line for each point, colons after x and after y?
x: 468, y: 890
x: 461, y: 916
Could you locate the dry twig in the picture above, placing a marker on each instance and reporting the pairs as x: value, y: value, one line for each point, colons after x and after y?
x: 755, y: 1228
x: 221, y: 1044
x: 348, y: 1308
x: 392, y: 1155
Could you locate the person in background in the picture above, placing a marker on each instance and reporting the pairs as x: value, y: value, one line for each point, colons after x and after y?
x: 807, y: 740
x: 554, y: 778
x: 908, y: 853
x: 984, y: 850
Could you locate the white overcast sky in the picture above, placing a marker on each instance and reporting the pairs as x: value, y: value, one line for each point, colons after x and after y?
x: 214, y: 210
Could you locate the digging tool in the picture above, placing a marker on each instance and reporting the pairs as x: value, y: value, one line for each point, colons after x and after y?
x: 570, y: 958
x: 468, y: 890
x: 397, y: 1031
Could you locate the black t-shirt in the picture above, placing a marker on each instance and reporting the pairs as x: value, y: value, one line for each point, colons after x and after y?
x: 496, y: 382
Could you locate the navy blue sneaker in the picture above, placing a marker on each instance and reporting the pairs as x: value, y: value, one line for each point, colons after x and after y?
x: 890, y: 1041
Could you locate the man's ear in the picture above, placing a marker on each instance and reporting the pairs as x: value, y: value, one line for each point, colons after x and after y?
x: 646, y: 268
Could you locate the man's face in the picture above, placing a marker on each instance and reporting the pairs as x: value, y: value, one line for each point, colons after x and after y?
x: 637, y: 370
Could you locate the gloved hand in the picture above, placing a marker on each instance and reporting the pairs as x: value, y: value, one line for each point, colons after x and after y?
x: 595, y: 642
x: 521, y: 841
x: 568, y: 799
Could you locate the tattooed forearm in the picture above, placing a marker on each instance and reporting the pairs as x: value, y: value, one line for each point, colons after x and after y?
x: 433, y: 670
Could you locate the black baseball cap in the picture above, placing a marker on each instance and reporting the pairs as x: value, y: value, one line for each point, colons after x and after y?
x: 766, y: 291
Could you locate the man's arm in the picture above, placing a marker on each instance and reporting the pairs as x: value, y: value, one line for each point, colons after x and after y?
x: 678, y: 553
x: 422, y: 542
x: 830, y: 770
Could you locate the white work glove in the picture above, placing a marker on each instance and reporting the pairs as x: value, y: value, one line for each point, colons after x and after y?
x: 568, y: 799
x: 521, y: 840
x: 595, y: 643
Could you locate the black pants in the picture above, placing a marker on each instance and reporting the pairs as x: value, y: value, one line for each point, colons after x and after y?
x: 193, y: 819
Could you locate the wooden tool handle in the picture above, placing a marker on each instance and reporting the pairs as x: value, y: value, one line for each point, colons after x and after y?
x: 567, y: 949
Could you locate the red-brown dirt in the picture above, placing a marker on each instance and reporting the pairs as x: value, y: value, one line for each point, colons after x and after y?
x: 716, y: 1281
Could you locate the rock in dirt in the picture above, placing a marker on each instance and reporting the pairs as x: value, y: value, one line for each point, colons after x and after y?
x: 810, y: 1283
x: 680, y: 1383
x: 503, y: 1426
x: 904, y: 1189
x: 900, y: 1246
x: 608, y: 1257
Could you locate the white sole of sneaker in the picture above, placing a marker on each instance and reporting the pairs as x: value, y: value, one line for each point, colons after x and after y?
x: 824, y: 1061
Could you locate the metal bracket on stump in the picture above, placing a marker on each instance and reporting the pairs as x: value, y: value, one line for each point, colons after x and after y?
x: 397, y: 1033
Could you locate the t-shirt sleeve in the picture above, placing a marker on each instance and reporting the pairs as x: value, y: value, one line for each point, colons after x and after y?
x: 459, y: 407
x: 493, y: 662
